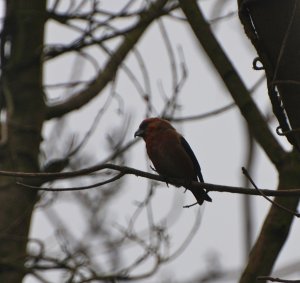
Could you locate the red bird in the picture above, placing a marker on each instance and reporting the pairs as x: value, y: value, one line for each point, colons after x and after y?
x: 171, y: 154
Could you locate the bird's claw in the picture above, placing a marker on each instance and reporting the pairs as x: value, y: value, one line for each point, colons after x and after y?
x: 190, y: 205
x: 166, y: 180
x: 153, y: 168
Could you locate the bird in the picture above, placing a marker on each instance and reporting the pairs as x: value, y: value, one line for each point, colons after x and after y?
x: 171, y: 154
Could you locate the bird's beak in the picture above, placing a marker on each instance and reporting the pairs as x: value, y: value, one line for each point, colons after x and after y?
x: 139, y: 133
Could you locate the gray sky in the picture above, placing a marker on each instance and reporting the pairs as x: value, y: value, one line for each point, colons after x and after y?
x: 218, y: 142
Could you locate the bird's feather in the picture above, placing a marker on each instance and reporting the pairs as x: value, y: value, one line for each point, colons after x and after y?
x: 191, y: 154
x: 171, y: 154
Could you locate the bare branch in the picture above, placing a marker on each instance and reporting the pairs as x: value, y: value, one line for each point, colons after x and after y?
x: 108, y: 73
x: 245, y: 172
x: 272, y: 279
x: 124, y: 170
x: 232, y: 81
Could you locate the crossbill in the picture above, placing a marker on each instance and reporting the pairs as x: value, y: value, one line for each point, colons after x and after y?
x: 171, y: 154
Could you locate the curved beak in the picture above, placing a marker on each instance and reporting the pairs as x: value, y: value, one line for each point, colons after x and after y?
x: 139, y: 133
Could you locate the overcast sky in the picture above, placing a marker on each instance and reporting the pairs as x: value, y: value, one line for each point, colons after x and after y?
x: 218, y: 142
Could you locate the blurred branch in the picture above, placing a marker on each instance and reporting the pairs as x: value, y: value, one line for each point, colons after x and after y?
x: 108, y: 73
x: 203, y: 115
x: 247, y: 221
x: 213, y: 112
x: 232, y: 81
x: 189, y: 237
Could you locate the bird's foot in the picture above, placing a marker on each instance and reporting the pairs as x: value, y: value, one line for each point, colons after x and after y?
x: 166, y: 180
x: 190, y: 205
x: 153, y: 168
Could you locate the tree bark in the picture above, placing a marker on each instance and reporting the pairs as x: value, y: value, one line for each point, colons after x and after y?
x: 276, y: 227
x: 273, y: 27
x: 277, y: 224
x: 22, y: 43
x: 234, y: 84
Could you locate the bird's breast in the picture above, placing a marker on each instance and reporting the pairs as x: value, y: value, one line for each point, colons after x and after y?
x: 169, y: 158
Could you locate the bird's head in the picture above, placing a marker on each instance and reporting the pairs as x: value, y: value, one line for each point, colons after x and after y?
x: 152, y: 125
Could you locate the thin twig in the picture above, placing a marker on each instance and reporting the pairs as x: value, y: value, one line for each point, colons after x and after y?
x: 245, y: 172
x: 81, y: 188
x: 277, y: 279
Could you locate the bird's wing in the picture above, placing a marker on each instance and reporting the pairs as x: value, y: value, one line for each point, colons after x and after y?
x: 191, y: 154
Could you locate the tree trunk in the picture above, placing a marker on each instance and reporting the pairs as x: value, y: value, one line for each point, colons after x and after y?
x: 275, y: 230
x: 21, y: 87
x: 273, y: 27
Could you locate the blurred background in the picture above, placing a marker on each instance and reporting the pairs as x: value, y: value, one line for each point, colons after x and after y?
x: 135, y: 228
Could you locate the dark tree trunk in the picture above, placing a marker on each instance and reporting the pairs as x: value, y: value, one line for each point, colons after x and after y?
x: 273, y: 27
x: 21, y: 88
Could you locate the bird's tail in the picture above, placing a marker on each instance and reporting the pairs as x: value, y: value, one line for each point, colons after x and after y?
x: 201, y: 195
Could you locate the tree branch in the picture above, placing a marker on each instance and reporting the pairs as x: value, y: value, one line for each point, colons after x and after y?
x: 108, y: 73
x: 233, y: 82
x: 124, y: 170
x: 269, y: 278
